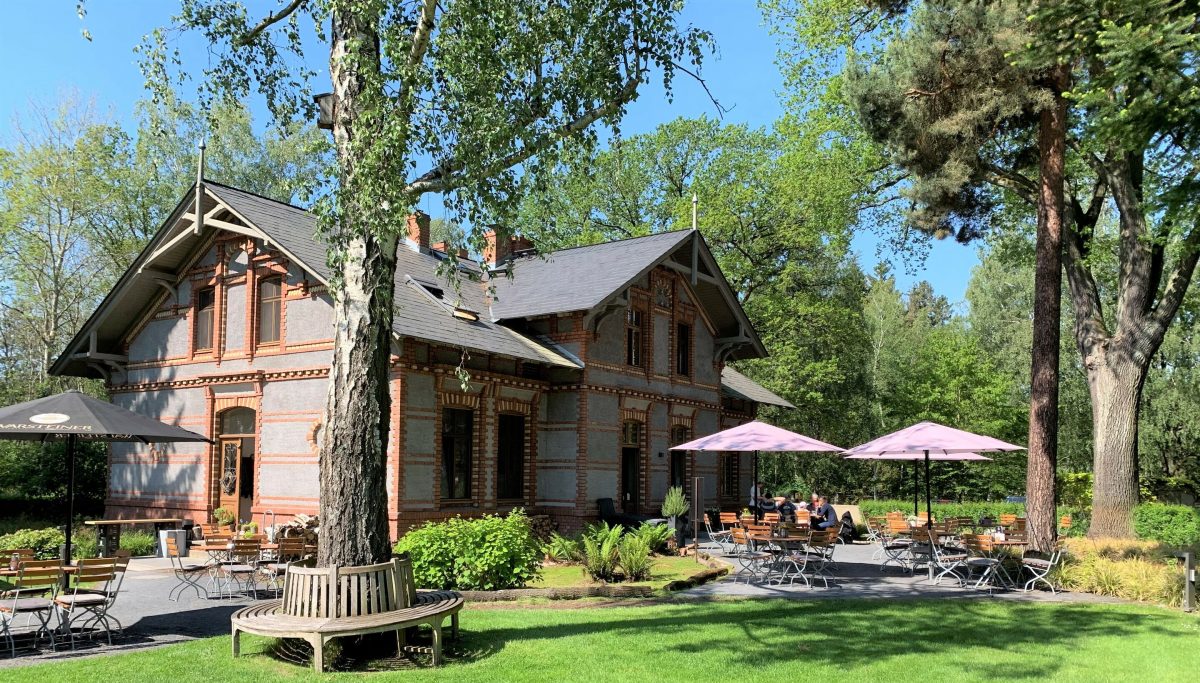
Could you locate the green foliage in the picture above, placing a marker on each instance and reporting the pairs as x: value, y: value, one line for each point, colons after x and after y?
x: 44, y: 542
x: 563, y: 549
x: 1075, y: 489
x: 1173, y: 525
x: 224, y: 516
x: 85, y: 543
x: 655, y: 536
x: 601, y: 543
x: 975, y: 509
x: 486, y: 553
x: 1127, y: 569
x: 634, y: 557
x: 139, y: 543
x: 675, y: 504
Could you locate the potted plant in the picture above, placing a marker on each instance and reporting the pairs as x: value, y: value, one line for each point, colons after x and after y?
x: 674, y: 507
x: 223, y: 517
x: 249, y: 529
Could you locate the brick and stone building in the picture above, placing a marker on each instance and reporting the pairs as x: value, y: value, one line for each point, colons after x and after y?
x: 584, y: 366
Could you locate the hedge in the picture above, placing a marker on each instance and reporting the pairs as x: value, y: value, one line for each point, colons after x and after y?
x: 1173, y: 525
x: 974, y: 509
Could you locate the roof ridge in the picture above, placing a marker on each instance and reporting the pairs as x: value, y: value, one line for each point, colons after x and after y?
x: 254, y: 194
x: 606, y: 243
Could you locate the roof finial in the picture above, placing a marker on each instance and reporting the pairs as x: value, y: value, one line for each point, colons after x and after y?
x: 198, y: 224
x: 695, y: 203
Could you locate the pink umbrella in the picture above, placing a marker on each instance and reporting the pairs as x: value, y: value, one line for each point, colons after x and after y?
x: 754, y: 437
x: 929, y: 441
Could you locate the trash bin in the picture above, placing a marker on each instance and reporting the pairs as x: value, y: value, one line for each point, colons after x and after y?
x: 181, y: 541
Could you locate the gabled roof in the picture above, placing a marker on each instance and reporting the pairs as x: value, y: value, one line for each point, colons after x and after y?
x: 590, y: 277
x: 292, y: 230
x: 737, y: 385
x: 580, y: 278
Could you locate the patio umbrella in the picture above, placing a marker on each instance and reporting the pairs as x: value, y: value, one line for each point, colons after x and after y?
x: 72, y: 416
x: 929, y: 441
x: 754, y: 437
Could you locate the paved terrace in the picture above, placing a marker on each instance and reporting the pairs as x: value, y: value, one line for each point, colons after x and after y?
x: 149, y: 619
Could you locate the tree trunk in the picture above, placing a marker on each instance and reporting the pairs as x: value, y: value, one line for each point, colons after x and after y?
x: 353, y: 488
x: 1047, y: 297
x: 1115, y: 380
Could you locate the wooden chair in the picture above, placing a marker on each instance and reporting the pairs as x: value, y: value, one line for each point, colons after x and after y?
x: 23, y: 555
x: 87, y: 596
x: 895, y: 542
x: 981, y: 550
x: 753, y: 561
x: 1064, y: 523
x: 215, y: 532
x: 242, y: 567
x: 33, y: 592
x: 291, y: 549
x: 771, y: 518
x: 729, y: 520
x: 186, y: 573
x: 1007, y: 521
x: 821, y: 546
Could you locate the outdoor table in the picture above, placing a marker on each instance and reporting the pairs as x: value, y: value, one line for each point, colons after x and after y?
x: 108, y: 531
x: 6, y: 572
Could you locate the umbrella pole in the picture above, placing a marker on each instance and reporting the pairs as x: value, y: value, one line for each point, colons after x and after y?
x: 928, y: 499
x: 757, y: 493
x: 71, y: 438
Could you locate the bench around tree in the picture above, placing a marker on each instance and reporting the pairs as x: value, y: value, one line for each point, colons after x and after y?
x: 320, y: 604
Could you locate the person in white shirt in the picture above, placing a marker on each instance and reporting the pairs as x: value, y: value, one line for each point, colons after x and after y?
x: 758, y: 501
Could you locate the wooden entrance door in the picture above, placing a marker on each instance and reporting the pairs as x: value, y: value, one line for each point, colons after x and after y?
x: 228, y: 473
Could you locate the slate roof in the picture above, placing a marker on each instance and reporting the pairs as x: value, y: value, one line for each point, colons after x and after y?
x: 580, y: 278
x: 737, y: 385
x: 416, y: 314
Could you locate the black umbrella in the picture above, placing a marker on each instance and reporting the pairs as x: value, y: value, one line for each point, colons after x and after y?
x: 71, y: 416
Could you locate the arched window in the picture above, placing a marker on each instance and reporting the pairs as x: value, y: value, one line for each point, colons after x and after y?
x: 270, y: 309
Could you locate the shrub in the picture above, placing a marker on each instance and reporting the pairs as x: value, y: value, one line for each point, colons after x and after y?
x: 1128, y: 569
x: 600, y: 545
x: 85, y: 543
x: 654, y: 535
x: 223, y: 516
x: 44, y: 542
x: 675, y: 504
x: 973, y: 509
x: 139, y: 543
x: 633, y: 554
x: 486, y: 553
x: 1174, y: 525
x: 1075, y: 489
x: 563, y: 549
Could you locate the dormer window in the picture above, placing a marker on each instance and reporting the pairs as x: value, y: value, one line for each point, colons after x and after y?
x: 270, y: 309
x: 202, y: 336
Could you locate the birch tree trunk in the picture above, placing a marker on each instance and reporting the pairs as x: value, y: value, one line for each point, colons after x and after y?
x: 353, y: 489
x: 1047, y: 302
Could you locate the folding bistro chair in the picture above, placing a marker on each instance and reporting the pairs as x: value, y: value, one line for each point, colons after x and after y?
x: 110, y: 593
x: 981, y: 550
x: 32, y: 594
x: 821, y: 546
x: 1039, y: 565
x: 754, y: 562
x: 290, y: 550
x: 87, y: 596
x: 242, y: 567
x: 948, y: 560
x: 895, y: 543
x: 729, y: 520
x: 718, y: 540
x: 187, y: 574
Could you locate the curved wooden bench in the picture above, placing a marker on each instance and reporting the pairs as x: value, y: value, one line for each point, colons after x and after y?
x: 320, y: 604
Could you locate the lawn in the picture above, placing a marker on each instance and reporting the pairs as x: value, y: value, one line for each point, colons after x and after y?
x: 824, y: 640
x: 665, y: 570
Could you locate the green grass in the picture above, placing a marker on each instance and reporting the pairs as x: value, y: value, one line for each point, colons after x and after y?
x: 824, y: 640
x: 665, y: 570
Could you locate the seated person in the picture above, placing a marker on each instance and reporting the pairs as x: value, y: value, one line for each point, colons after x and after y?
x: 758, y: 501
x: 824, y: 516
x: 814, y: 503
x: 787, y: 510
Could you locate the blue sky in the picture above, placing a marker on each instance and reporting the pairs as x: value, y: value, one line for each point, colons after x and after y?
x: 45, y: 56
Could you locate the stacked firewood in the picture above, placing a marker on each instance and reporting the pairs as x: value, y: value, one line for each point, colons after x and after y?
x: 542, y: 527
x: 301, y: 526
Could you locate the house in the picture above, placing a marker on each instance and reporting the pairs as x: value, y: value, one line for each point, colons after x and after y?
x: 584, y: 366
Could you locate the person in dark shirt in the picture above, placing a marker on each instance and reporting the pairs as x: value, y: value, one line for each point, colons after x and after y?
x: 824, y: 516
x: 787, y: 509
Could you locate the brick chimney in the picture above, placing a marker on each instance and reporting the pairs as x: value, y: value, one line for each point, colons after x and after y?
x: 498, y: 251
x: 418, y: 228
